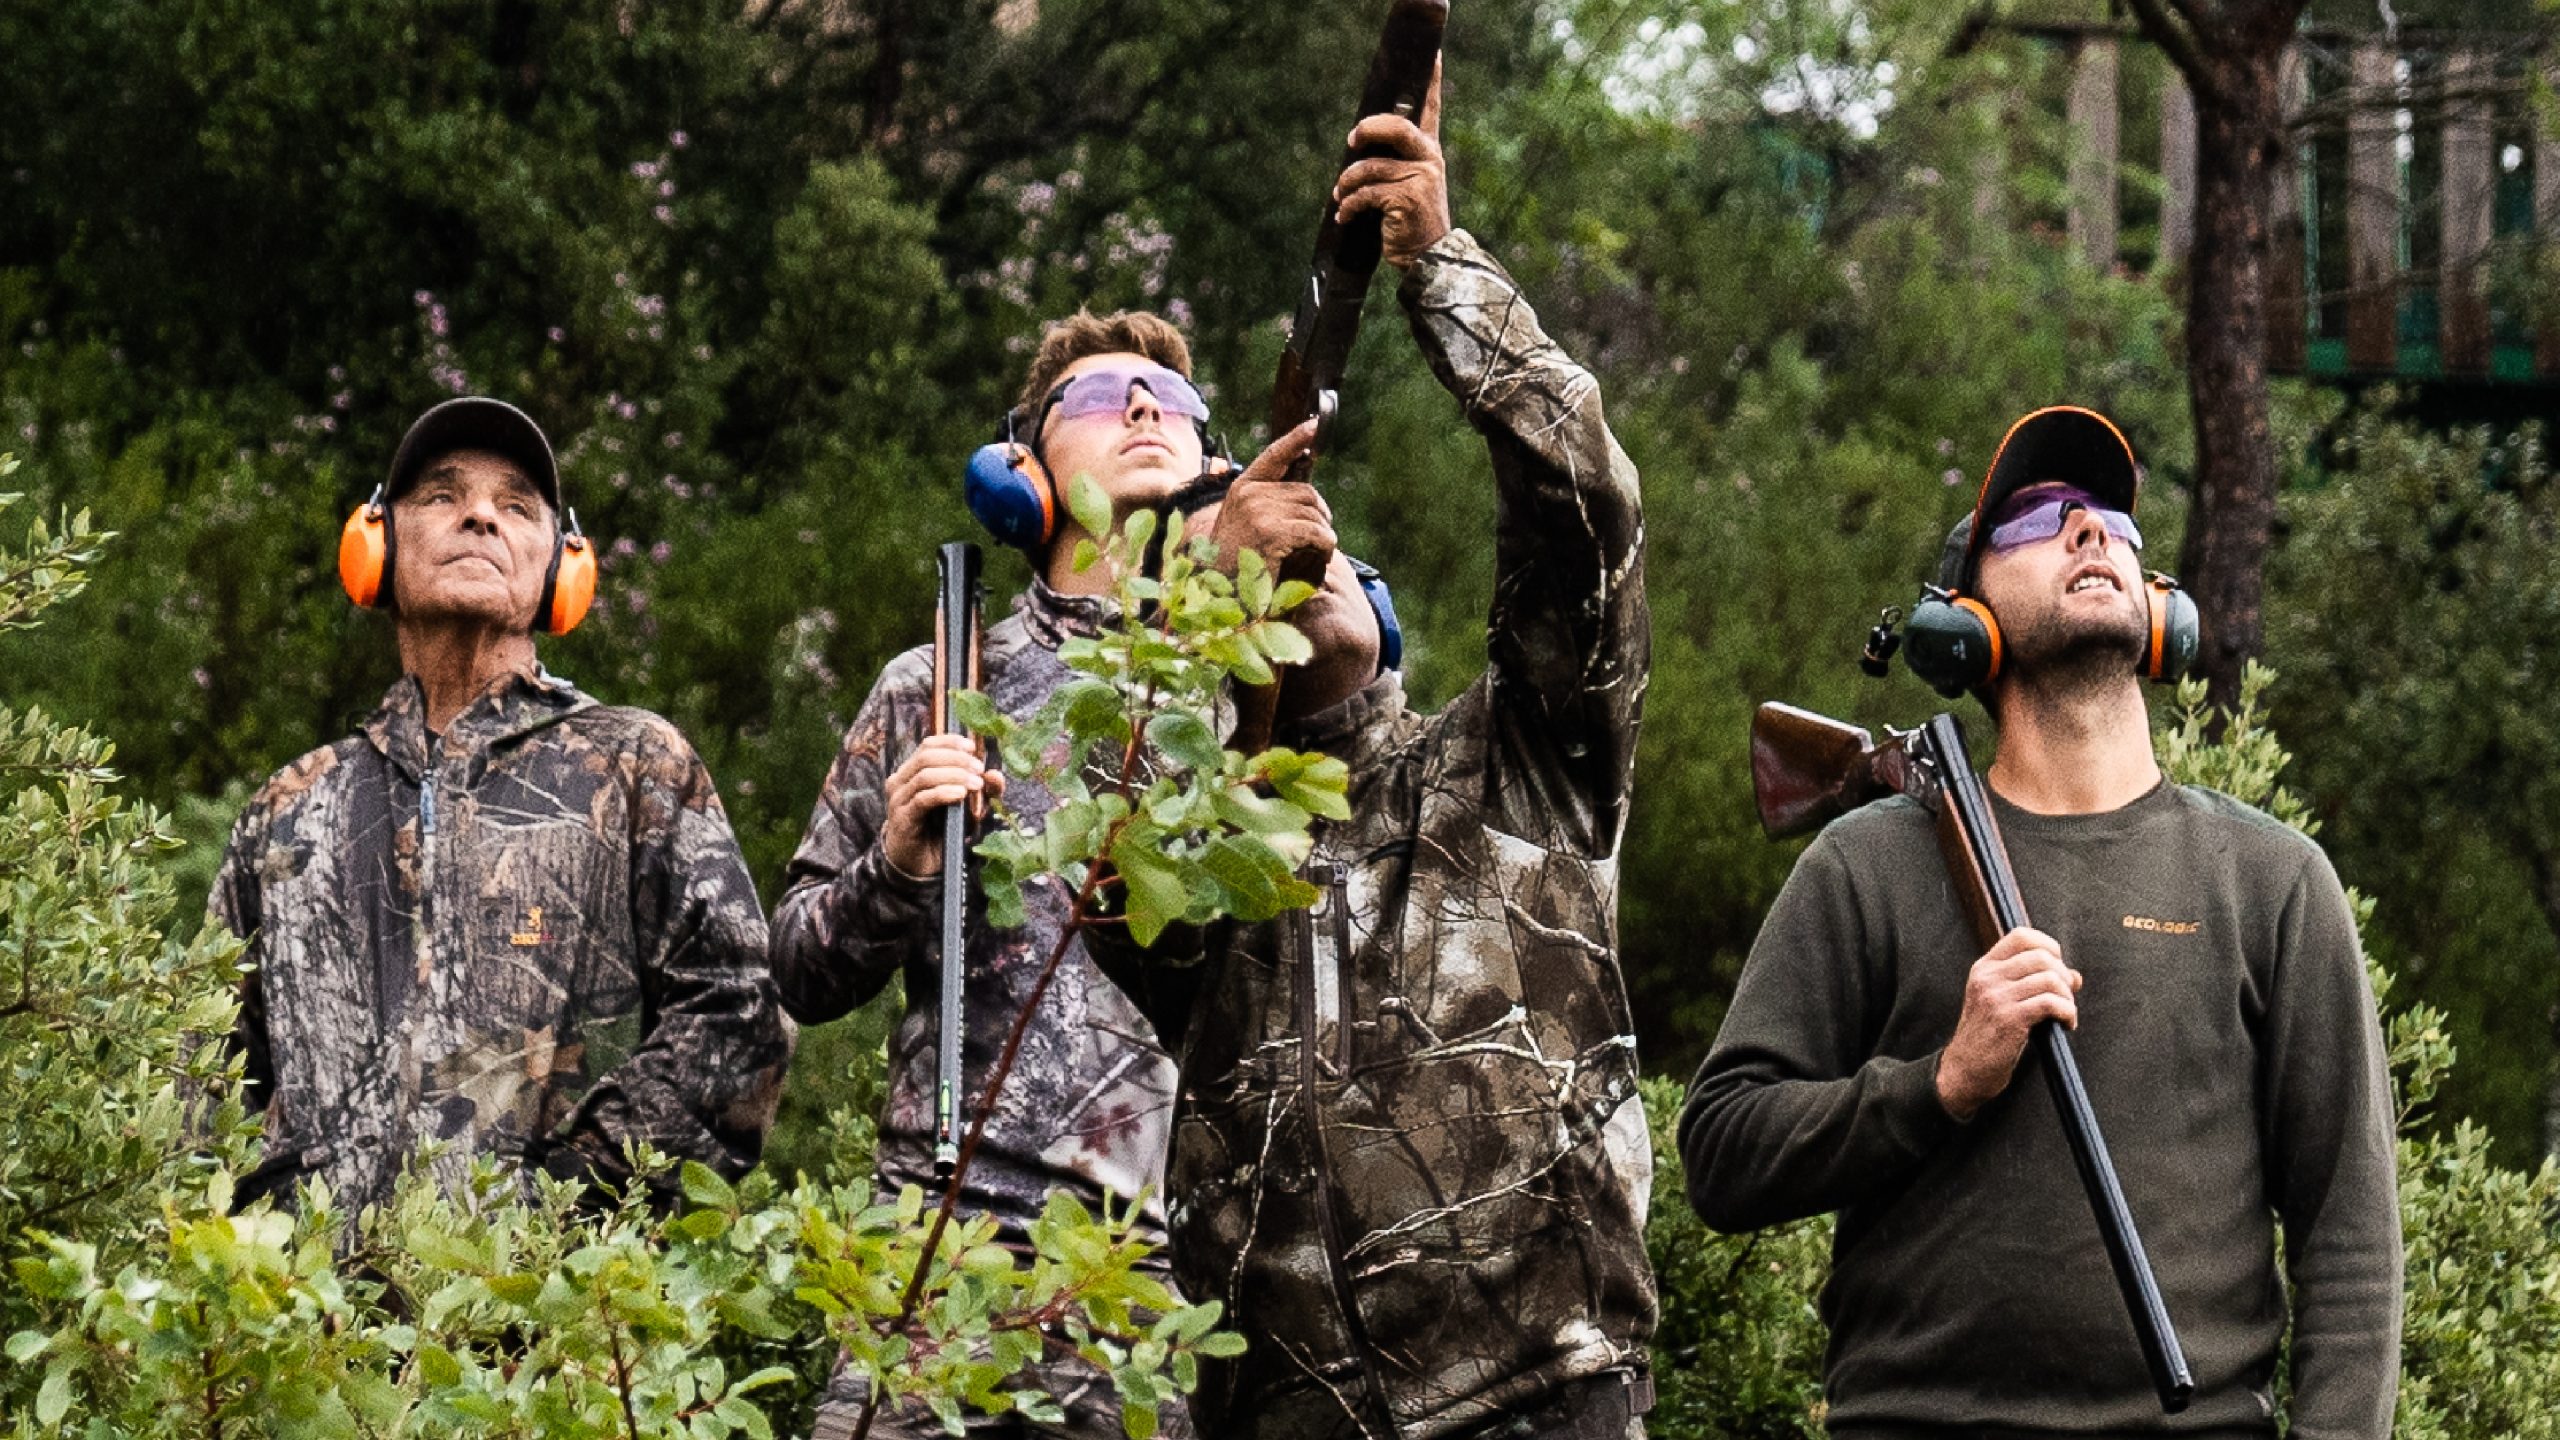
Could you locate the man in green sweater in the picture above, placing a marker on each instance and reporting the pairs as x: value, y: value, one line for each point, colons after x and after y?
x: 2207, y: 962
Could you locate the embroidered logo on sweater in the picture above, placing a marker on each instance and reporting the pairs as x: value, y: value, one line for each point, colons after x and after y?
x: 2162, y: 927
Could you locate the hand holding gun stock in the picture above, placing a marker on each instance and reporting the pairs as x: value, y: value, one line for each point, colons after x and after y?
x: 1337, y: 286
x: 955, y: 668
x: 1806, y: 770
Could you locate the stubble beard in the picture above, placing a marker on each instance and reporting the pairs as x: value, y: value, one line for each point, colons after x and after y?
x: 2061, y: 660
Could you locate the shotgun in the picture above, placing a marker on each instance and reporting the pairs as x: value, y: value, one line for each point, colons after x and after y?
x: 1327, y: 321
x: 955, y: 668
x: 1806, y: 770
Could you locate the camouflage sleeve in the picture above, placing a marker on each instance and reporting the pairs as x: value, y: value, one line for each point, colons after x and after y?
x: 849, y: 920
x: 1569, y: 637
x: 235, y: 906
x: 707, y: 1073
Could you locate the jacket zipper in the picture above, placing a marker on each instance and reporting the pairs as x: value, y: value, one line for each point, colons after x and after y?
x: 1310, y: 1069
x: 425, y: 958
x: 1339, y: 911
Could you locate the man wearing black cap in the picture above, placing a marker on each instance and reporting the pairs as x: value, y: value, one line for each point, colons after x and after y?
x: 2207, y: 961
x: 501, y: 917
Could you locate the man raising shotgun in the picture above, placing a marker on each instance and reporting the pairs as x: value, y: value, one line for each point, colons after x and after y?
x: 1410, y: 1157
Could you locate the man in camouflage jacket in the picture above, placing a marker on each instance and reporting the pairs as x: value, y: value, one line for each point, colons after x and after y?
x: 1089, y: 1103
x: 1409, y: 1154
x: 501, y: 916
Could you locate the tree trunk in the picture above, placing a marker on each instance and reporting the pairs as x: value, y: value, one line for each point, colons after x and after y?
x: 2239, y: 135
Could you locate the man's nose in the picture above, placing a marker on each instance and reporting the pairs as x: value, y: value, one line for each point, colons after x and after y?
x: 1142, y: 406
x: 2084, y: 529
x: 481, y: 515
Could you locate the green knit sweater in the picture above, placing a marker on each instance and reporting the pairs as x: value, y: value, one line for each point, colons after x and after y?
x: 2228, y: 1037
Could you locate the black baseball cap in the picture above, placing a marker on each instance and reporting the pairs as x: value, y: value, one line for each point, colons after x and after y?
x: 2069, y: 443
x: 476, y: 422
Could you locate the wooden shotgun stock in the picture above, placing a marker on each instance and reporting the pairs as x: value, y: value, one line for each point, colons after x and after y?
x: 1327, y: 321
x: 1806, y: 770
x: 955, y: 668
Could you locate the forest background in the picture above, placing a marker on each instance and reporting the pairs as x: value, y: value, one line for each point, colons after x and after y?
x: 768, y: 275
x: 768, y: 272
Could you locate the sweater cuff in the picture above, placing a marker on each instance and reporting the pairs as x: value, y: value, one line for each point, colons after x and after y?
x: 1914, y: 1116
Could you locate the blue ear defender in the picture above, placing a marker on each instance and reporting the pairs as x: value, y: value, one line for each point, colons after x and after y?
x: 1008, y: 490
x: 1373, y: 588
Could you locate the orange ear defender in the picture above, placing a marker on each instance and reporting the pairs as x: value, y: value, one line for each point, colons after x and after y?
x: 365, y: 550
x: 569, y: 587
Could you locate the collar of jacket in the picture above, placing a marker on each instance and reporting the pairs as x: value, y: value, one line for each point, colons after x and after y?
x: 517, y: 705
x: 1356, y: 730
x: 1054, y: 617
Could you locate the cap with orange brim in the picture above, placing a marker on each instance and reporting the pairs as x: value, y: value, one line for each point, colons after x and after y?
x: 2068, y: 443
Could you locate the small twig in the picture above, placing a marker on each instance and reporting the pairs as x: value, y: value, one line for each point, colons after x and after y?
x: 621, y: 1372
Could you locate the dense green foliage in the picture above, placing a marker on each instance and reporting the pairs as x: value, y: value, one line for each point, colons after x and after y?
x: 1808, y: 296
x: 2418, y: 657
x: 767, y: 271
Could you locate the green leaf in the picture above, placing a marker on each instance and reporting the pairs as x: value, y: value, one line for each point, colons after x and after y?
x: 53, y: 1399
x: 437, y: 1366
x: 1186, y: 738
x: 27, y: 1345
x: 703, y: 1186
x: 979, y: 713
x: 1319, y: 787
x: 1138, y: 530
x: 1157, y: 896
x: 1239, y: 806
x: 1223, y: 1345
x: 1285, y: 643
x: 1089, y: 505
x: 1290, y: 595
x: 519, y: 1290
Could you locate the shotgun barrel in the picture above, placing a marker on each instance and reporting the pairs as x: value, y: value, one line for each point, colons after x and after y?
x: 1976, y: 856
x: 955, y: 668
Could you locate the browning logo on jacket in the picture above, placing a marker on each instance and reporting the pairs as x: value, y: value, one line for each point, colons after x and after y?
x: 1409, y: 1155
x: 532, y: 936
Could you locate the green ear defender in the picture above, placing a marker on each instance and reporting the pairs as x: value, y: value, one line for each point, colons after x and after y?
x: 1952, y: 641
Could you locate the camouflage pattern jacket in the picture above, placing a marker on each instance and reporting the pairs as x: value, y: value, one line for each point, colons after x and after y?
x: 1409, y: 1155
x: 532, y: 937
x: 1090, y: 1101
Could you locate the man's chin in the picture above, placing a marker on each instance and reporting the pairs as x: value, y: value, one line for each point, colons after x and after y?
x: 1145, y: 484
x: 468, y: 606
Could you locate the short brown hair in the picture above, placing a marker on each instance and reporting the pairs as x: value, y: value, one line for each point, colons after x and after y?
x: 1138, y: 332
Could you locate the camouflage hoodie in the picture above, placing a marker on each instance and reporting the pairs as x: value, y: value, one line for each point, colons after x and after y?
x: 531, y: 937
x: 1091, y: 1097
x: 1460, y: 1230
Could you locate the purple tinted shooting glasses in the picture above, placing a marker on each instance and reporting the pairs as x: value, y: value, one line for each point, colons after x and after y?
x: 2038, y: 515
x: 1106, y: 392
